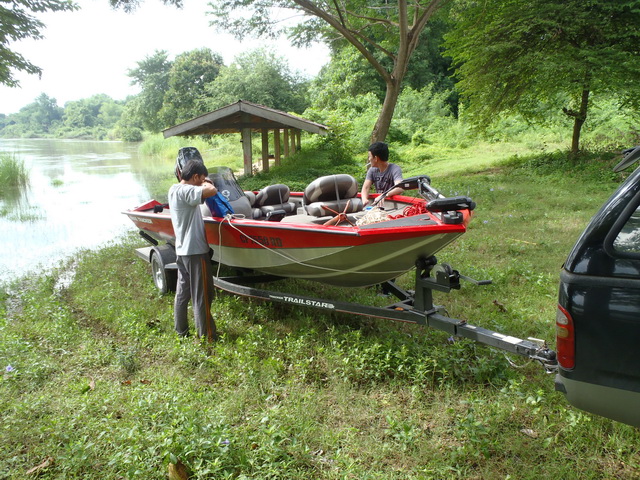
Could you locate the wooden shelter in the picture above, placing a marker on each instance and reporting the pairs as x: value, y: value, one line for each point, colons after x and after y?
x: 246, y: 117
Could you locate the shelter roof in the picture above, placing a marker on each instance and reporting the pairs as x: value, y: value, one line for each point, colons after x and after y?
x: 240, y: 115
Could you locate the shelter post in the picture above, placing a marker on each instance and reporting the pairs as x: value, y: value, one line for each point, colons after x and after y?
x: 298, y: 138
x: 286, y: 142
x: 292, y: 136
x: 265, y: 150
x: 276, y: 145
x: 246, y: 151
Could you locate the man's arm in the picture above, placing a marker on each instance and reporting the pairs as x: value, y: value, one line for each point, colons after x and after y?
x: 366, y: 187
x: 395, y: 191
x: 208, y: 190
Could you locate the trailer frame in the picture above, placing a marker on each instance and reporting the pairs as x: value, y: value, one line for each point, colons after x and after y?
x: 412, y: 306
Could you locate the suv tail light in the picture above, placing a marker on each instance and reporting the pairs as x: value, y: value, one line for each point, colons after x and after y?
x: 565, y: 338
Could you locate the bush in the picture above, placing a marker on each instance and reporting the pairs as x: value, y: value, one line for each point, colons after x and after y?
x: 130, y: 134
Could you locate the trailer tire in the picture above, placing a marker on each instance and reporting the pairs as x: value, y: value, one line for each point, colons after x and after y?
x: 164, y: 279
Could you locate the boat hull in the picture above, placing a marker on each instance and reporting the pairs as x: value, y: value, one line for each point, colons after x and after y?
x: 345, y: 255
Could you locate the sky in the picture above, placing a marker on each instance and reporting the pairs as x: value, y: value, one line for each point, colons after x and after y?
x: 89, y: 51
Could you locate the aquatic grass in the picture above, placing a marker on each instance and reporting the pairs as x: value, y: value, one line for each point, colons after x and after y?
x: 13, y: 172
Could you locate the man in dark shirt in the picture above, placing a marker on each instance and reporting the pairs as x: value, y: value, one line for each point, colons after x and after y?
x: 382, y: 174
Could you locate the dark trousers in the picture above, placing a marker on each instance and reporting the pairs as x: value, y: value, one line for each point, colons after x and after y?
x: 195, y: 283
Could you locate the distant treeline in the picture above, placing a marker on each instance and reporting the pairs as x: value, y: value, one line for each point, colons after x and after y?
x: 347, y: 95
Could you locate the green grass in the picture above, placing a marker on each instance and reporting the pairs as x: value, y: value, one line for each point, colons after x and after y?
x: 100, y: 383
x: 13, y: 172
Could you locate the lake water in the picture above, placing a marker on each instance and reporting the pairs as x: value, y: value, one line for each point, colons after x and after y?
x: 77, y: 191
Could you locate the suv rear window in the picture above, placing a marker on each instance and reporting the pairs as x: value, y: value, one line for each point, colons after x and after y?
x: 628, y: 239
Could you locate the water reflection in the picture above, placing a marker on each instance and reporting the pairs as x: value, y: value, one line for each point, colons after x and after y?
x: 15, y: 206
x: 76, y: 193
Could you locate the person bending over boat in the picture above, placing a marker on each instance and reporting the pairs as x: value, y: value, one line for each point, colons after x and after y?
x: 382, y: 174
x: 195, y: 281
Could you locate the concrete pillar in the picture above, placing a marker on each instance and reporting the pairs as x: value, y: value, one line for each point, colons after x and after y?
x: 246, y: 151
x: 265, y: 150
x: 286, y: 142
x: 276, y: 145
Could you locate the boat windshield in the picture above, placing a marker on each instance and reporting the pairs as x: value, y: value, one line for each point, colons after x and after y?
x: 225, y: 181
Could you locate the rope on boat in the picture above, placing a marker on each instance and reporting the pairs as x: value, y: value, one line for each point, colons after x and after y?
x: 229, y: 217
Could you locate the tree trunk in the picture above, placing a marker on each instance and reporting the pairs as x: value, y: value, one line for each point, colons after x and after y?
x: 381, y: 128
x: 578, y: 121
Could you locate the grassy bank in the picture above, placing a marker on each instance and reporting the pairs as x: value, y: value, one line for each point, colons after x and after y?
x: 95, y: 383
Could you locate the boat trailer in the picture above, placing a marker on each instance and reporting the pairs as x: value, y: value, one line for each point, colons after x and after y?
x: 413, y: 306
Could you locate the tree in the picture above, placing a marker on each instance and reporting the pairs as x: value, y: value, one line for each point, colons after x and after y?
x: 152, y: 76
x: 186, y: 96
x: 131, y: 5
x: 38, y: 118
x: 42, y: 114
x: 261, y: 77
x: 348, y: 73
x: 91, y: 117
x: 16, y: 23
x: 519, y: 57
x: 346, y: 76
x: 378, y: 30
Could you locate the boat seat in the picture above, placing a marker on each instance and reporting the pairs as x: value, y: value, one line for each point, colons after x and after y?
x: 332, y: 192
x: 204, y: 209
x: 273, y: 200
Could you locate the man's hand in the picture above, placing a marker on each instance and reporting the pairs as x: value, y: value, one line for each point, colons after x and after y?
x: 208, y: 190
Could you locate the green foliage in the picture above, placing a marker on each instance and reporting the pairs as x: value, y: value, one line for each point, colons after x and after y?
x: 258, y: 76
x: 19, y: 23
x: 129, y: 134
x: 386, y: 38
x: 346, y: 76
x: 93, y: 117
x: 542, y: 56
x: 41, y: 118
x: 350, y: 122
x: 189, y: 75
x: 152, y: 76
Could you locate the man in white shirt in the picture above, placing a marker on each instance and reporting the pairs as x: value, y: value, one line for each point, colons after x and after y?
x: 195, y: 280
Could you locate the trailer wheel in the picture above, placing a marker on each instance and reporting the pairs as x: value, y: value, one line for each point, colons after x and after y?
x: 164, y: 279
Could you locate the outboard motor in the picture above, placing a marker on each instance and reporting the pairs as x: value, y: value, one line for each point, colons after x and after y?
x: 184, y: 155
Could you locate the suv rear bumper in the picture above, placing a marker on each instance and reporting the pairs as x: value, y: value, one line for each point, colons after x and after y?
x: 614, y: 403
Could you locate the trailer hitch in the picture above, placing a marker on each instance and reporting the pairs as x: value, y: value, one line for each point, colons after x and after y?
x: 443, y: 278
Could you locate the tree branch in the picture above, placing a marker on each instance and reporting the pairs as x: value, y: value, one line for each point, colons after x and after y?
x: 312, y: 9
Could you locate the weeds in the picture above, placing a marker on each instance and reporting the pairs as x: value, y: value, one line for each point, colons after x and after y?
x: 93, y: 376
x: 13, y: 172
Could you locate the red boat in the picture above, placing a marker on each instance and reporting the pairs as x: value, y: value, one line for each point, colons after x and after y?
x: 324, y: 233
